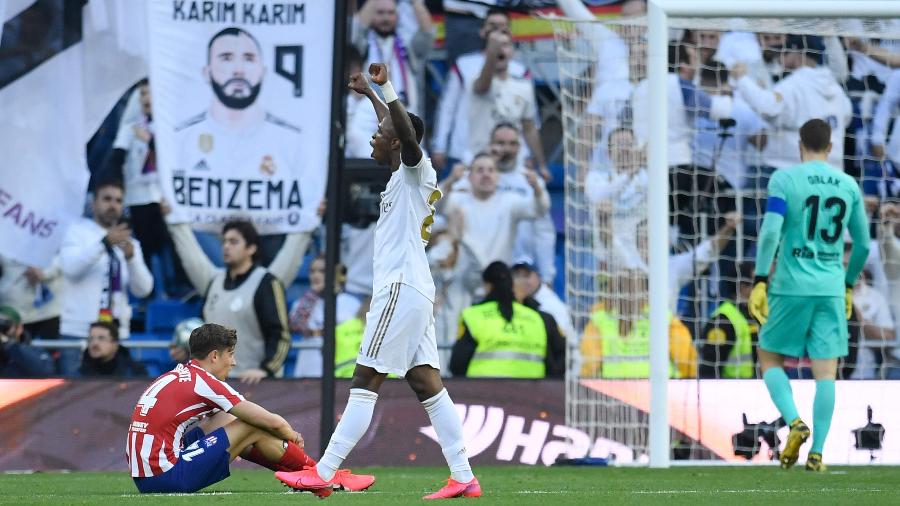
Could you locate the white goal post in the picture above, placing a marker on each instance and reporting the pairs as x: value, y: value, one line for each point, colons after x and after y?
x: 659, y: 12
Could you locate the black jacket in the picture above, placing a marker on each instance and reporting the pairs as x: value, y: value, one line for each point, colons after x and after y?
x: 19, y: 360
x: 122, y: 366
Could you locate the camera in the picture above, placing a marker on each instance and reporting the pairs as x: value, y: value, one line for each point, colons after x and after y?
x: 748, y: 442
x: 363, y: 205
x: 361, y: 184
x: 870, y: 436
x: 6, y: 325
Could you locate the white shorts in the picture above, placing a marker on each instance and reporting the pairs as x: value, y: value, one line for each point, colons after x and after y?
x: 399, y: 331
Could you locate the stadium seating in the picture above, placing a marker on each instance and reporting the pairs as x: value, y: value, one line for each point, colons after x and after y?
x: 163, y: 315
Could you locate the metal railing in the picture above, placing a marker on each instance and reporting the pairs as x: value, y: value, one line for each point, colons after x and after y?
x: 161, y: 344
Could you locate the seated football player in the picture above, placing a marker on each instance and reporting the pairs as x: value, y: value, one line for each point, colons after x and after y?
x: 189, y: 425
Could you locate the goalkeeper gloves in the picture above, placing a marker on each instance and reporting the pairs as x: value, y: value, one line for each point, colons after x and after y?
x: 849, y: 300
x: 759, y: 302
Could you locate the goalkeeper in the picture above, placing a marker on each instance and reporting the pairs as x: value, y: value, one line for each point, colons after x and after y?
x: 809, y: 207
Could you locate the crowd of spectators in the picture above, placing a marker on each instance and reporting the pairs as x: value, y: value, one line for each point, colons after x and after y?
x: 735, y: 103
x: 735, y: 100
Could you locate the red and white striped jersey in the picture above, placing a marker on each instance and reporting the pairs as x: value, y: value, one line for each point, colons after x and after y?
x: 171, y: 404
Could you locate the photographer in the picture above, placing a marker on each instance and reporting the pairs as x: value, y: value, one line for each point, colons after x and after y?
x: 18, y: 359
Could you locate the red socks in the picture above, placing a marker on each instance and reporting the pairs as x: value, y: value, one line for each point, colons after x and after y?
x: 294, y: 459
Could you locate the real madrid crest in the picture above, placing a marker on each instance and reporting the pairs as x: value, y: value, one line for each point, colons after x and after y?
x: 267, y: 166
x: 205, y: 142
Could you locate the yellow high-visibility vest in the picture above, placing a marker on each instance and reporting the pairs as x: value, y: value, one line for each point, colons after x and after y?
x: 625, y: 357
x: 348, y: 337
x: 740, y: 360
x: 506, y: 349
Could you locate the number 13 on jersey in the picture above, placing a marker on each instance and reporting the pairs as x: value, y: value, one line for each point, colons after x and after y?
x: 836, y: 207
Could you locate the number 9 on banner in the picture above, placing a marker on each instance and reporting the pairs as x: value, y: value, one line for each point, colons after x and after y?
x: 293, y: 73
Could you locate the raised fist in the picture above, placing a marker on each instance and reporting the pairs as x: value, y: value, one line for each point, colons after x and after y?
x: 855, y: 44
x: 890, y: 212
x: 738, y: 70
x: 458, y: 172
x: 358, y: 83
x: 495, y: 42
x: 732, y: 219
x: 378, y: 73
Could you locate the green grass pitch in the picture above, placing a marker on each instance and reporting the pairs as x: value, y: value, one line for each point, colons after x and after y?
x: 518, y: 486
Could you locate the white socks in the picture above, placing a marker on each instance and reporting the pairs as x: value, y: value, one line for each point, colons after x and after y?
x: 358, y: 414
x: 445, y: 421
x: 353, y: 425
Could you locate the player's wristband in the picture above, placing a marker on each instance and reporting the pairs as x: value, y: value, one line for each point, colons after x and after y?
x: 760, y: 279
x: 387, y: 89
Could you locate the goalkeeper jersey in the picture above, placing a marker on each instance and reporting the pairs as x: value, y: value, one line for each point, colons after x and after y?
x: 818, y: 203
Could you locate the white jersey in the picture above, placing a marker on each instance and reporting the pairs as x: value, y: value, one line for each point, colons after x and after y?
x: 228, y: 172
x: 806, y: 93
x: 404, y: 227
x: 260, y: 150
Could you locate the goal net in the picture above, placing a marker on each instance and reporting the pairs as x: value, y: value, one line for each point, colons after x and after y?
x: 737, y: 91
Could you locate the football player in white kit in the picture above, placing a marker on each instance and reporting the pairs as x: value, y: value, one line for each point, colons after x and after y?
x: 399, y: 337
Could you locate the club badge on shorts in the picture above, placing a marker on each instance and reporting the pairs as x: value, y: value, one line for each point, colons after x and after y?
x: 205, y: 143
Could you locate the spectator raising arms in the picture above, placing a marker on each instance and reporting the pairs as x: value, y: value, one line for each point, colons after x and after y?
x: 501, y: 96
x: 490, y: 218
x: 378, y: 34
x: 453, y: 131
x: 245, y: 295
x: 809, y: 91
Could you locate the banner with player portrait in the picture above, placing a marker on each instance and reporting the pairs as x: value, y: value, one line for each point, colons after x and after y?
x: 242, y: 110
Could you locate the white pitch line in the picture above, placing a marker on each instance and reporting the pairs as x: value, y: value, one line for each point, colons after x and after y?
x: 756, y: 491
x: 198, y: 494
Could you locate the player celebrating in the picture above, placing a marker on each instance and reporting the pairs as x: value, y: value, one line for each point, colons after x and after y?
x: 164, y: 458
x: 808, y: 208
x: 399, y: 336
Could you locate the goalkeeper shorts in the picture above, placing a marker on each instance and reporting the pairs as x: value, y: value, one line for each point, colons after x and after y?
x: 806, y: 326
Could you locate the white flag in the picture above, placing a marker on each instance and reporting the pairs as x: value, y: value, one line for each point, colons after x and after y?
x: 64, y: 69
x: 242, y: 110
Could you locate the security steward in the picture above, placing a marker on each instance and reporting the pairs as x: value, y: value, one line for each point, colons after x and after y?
x: 500, y: 338
x: 728, y: 342
x: 616, y: 340
x: 348, y: 336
